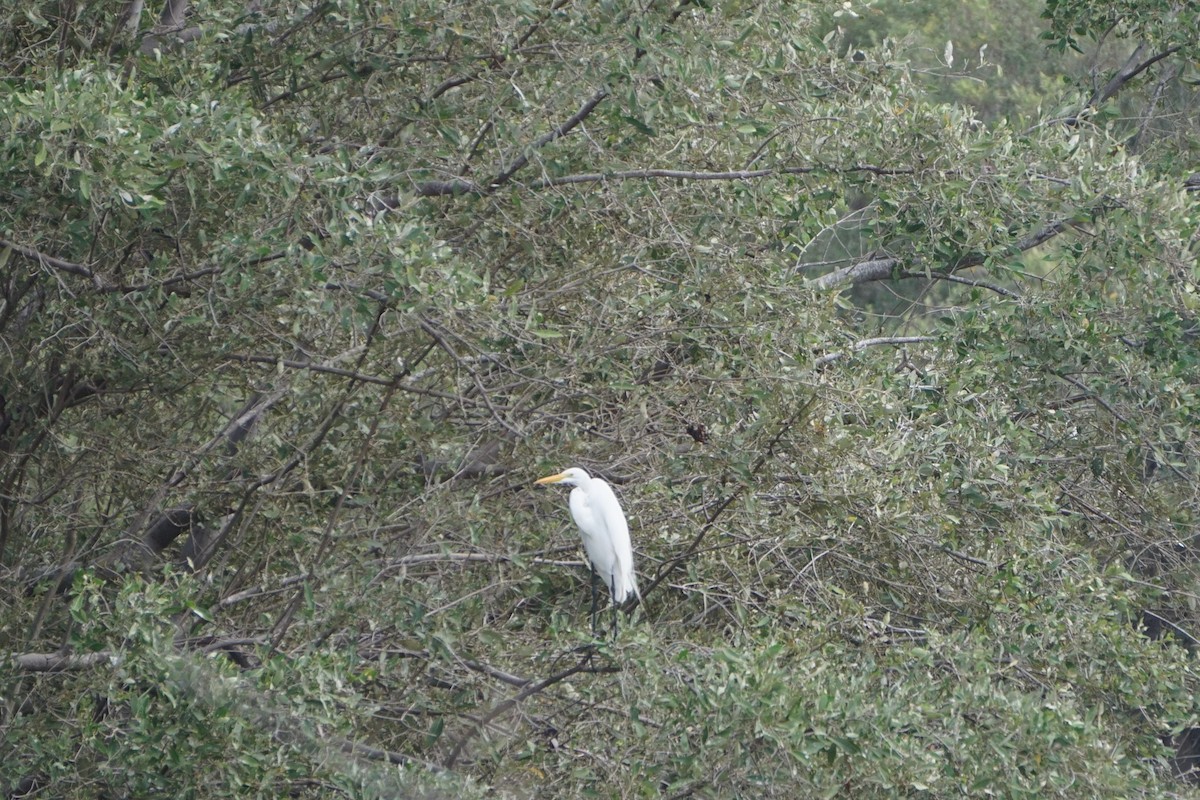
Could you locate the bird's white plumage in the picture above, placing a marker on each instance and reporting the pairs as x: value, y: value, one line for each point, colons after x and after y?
x: 597, y: 512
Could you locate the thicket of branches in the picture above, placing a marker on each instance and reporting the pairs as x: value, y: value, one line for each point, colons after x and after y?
x: 901, y: 399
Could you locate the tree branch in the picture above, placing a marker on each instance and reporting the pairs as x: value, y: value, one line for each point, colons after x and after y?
x: 60, y: 662
x: 389, y: 756
x: 672, y: 564
x: 495, y: 62
x: 524, y: 694
x: 173, y: 14
x: 829, y: 358
x: 875, y: 269
x: 945, y: 276
x: 291, y: 364
x: 725, y: 175
x: 170, y: 21
x: 462, y: 186
x: 562, y: 130
x: 883, y: 268
x: 98, y: 282
x: 1130, y: 70
x: 403, y: 382
x: 57, y: 263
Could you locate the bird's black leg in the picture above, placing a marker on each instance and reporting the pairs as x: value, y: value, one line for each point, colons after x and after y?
x: 595, y: 601
x: 612, y: 596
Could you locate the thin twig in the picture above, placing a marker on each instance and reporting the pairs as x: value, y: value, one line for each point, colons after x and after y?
x: 971, y: 559
x: 524, y: 694
x: 284, y: 623
x: 945, y: 276
x: 671, y: 565
x: 1117, y: 416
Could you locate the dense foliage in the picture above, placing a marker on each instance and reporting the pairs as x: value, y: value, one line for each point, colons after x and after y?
x: 893, y: 362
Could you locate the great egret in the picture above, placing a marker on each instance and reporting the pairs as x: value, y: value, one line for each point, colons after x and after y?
x: 605, y: 534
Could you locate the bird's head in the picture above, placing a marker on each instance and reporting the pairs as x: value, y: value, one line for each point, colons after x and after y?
x: 572, y: 477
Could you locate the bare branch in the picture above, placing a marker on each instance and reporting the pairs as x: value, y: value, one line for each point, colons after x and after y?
x: 400, y: 382
x: 389, y: 756
x: 431, y: 328
x: 56, y: 263
x: 582, y: 666
x: 98, y: 282
x: 167, y: 528
x: 131, y: 16
x: 944, y: 276
x: 60, y: 662
x: 292, y: 364
x: 829, y: 358
x: 726, y: 175
x: 462, y: 186
x: 969, y: 559
x: 1117, y: 415
x: 498, y: 674
x: 878, y: 269
x: 562, y: 130
x: 1130, y: 70
x: 352, y: 476
x: 194, y: 460
x: 257, y: 591
x: 1167, y: 75
x: 170, y: 26
x: 440, y: 188
x: 166, y: 283
x: 496, y: 61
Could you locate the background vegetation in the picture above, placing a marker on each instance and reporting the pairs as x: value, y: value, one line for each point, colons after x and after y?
x: 887, y: 339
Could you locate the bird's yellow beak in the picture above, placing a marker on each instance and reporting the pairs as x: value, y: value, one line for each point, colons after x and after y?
x: 551, y: 478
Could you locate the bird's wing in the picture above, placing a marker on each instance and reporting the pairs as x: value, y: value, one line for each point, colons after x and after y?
x: 604, y: 505
x: 593, y: 532
x: 588, y: 523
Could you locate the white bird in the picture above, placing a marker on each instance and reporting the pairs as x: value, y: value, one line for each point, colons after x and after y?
x: 605, y: 534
